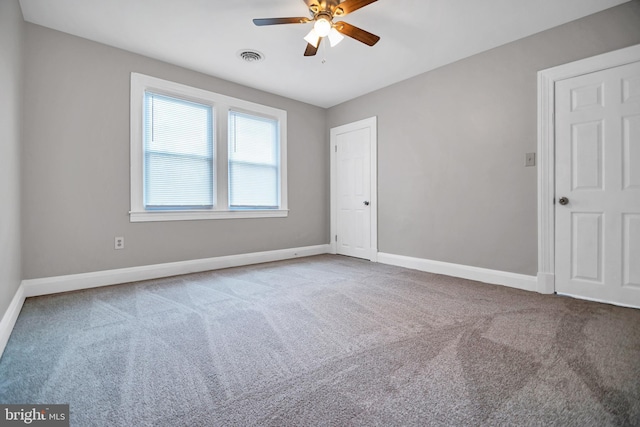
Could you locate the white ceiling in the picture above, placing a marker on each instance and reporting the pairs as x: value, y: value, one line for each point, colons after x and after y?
x: 206, y: 35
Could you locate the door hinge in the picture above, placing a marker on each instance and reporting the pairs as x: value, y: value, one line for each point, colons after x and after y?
x: 336, y: 148
x: 336, y: 237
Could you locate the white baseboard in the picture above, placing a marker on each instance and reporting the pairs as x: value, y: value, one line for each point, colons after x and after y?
x: 74, y: 282
x: 10, y: 316
x: 496, y: 277
x: 546, y: 283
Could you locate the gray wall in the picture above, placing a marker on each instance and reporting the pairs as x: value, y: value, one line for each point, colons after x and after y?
x: 11, y: 39
x: 76, y: 166
x: 452, y: 185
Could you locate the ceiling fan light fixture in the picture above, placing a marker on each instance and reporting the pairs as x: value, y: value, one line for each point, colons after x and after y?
x: 312, y: 38
x: 322, y: 14
x: 322, y: 26
x: 335, y: 37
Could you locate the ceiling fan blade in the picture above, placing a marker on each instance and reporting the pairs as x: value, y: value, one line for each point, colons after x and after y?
x: 349, y: 6
x: 276, y: 21
x: 310, y: 50
x: 356, y: 33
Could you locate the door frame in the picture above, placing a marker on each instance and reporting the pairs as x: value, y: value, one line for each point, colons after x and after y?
x: 547, y: 147
x: 371, y: 123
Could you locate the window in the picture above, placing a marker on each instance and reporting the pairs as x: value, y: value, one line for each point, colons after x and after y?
x: 178, y: 153
x: 200, y: 155
x: 253, y: 162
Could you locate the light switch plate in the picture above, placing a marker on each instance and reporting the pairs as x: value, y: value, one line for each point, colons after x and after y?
x: 530, y: 159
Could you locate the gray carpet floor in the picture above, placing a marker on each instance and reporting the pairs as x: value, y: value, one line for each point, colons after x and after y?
x: 329, y: 341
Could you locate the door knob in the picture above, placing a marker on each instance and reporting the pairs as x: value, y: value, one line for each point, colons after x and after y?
x: 366, y: 203
x: 563, y: 201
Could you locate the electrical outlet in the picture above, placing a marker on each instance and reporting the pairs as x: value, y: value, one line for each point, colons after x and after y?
x: 119, y: 243
x: 530, y: 159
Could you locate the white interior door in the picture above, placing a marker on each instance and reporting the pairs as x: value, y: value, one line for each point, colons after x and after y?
x: 597, y: 211
x: 354, y: 199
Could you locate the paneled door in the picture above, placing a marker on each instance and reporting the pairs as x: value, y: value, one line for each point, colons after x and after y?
x: 597, y: 197
x: 353, y: 197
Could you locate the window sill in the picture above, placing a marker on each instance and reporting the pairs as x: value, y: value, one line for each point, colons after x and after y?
x: 148, y: 216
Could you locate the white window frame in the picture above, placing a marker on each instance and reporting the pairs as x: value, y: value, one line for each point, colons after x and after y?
x: 221, y: 106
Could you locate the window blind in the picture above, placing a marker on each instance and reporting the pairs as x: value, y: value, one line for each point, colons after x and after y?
x: 254, y: 165
x: 178, y: 153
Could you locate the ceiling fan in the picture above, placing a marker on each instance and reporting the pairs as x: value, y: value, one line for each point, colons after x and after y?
x: 322, y: 14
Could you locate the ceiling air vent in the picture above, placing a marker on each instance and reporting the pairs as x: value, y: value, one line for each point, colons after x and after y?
x: 250, y: 55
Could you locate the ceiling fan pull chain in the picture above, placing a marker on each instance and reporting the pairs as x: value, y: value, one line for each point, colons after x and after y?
x: 324, y: 53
